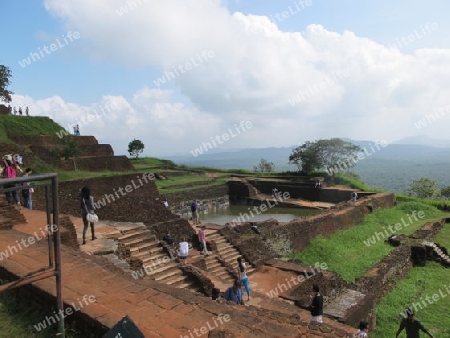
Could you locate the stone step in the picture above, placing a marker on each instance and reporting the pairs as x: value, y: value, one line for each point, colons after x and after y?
x: 174, y: 279
x: 231, y: 258
x: 139, y: 241
x: 150, y: 247
x: 227, y: 249
x: 125, y: 239
x: 216, y: 269
x: 213, y: 265
x: 156, y: 257
x: 223, y: 274
x: 187, y: 284
x: 158, y: 268
x: 133, y: 230
x: 165, y: 275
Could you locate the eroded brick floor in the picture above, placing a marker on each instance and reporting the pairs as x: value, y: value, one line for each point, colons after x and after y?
x: 158, y: 310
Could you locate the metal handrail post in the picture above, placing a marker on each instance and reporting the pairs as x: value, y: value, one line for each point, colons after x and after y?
x: 57, y: 243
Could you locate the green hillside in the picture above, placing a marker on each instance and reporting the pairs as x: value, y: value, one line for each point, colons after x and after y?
x: 26, y: 126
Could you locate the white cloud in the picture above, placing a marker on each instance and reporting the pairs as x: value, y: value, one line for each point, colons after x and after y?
x: 257, y: 68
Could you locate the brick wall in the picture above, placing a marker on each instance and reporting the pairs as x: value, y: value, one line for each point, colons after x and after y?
x: 307, y: 191
x: 99, y: 163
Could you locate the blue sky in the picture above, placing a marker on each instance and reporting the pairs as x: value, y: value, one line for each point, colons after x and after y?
x: 325, y: 69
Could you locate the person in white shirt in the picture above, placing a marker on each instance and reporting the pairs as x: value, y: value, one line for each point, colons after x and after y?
x: 183, y: 249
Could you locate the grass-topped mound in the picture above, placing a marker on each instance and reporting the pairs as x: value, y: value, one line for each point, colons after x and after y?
x: 13, y: 125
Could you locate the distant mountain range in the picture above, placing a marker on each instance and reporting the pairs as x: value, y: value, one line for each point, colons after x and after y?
x: 392, y: 167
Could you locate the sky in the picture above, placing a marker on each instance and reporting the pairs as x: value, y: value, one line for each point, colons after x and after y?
x: 179, y: 75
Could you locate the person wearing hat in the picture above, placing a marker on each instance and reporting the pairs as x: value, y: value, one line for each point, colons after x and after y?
x: 412, y: 326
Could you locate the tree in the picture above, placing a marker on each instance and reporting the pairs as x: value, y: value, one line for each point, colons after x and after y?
x: 423, y: 188
x: 264, y: 166
x: 333, y: 155
x: 135, y: 147
x: 5, y: 75
x: 306, y: 157
x: 70, y: 147
x: 446, y: 191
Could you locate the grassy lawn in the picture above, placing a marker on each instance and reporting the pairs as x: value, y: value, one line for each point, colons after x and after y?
x: 420, y: 283
x: 347, y: 253
x: 169, y: 190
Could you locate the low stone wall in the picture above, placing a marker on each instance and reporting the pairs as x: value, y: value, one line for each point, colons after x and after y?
x: 308, y: 192
x: 183, y: 198
x: 300, y: 232
x: 98, y: 163
x: 252, y: 246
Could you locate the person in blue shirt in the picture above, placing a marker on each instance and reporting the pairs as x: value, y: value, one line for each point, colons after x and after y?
x: 234, y: 293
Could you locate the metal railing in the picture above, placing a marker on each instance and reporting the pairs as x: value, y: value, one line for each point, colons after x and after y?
x: 50, y: 183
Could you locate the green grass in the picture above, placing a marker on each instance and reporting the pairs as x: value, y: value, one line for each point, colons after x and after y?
x: 346, y: 253
x: 11, y: 125
x: 420, y: 282
x: 169, y: 190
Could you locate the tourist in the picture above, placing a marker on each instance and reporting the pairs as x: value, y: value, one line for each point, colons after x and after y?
x: 318, y: 184
x: 9, y: 170
x: 15, y: 110
x: 27, y: 111
x: 363, y: 329
x: 183, y: 249
x: 9, y: 109
x: 87, y: 206
x: 194, y: 211
x: 274, y: 192
x: 234, y: 293
x: 202, y: 240
x: 20, y: 111
x: 166, y: 204
x: 242, y: 273
x: 316, y: 306
x: 216, y: 295
x: 412, y: 326
x: 197, y: 211
x: 168, y: 238
x: 27, y: 191
x: 18, y: 159
x: 354, y: 196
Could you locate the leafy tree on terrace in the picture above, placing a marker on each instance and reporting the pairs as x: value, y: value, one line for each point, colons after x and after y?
x: 333, y: 154
x: 446, y: 191
x: 5, y: 75
x: 264, y: 166
x: 135, y: 148
x: 70, y: 147
x: 306, y: 157
x: 423, y: 188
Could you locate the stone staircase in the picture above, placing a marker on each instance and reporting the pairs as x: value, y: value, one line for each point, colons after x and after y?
x: 146, y: 255
x: 217, y: 269
x: 226, y: 252
x: 440, y: 253
x: 10, y: 215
